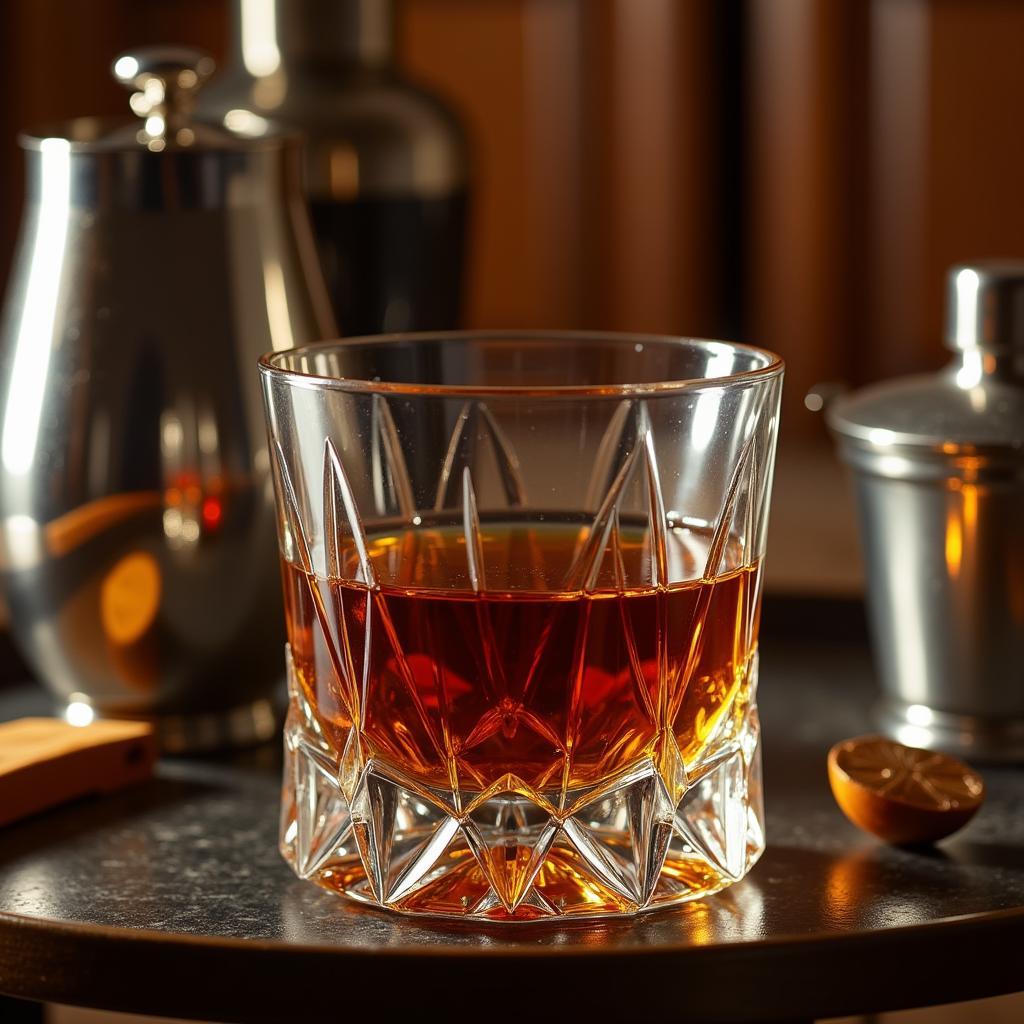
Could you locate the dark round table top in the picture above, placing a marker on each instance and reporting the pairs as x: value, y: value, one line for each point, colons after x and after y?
x: 172, y: 899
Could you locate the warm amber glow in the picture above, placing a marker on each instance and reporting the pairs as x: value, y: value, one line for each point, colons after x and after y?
x: 954, y: 541
x: 970, y: 509
x: 130, y: 597
x: 961, y: 524
x: 71, y: 530
x: 343, y: 168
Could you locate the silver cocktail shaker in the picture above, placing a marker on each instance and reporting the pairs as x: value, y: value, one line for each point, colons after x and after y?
x: 939, y: 468
x: 386, y: 163
x: 158, y: 258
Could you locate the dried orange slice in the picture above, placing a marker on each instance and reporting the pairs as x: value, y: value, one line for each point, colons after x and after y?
x: 902, y: 794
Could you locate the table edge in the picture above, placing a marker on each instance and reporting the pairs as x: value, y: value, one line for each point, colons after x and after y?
x: 963, y: 957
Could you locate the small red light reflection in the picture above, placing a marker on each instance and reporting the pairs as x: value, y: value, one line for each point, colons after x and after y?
x: 213, y: 511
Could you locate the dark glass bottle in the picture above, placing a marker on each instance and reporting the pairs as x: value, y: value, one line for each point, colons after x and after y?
x: 385, y: 160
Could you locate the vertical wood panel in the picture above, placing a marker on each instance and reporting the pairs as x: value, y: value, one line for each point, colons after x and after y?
x: 651, y: 163
x: 947, y: 88
x: 642, y: 244
x: 597, y: 147
x: 975, y: 202
x: 805, y: 298
x: 594, y: 126
x: 74, y: 80
x: 554, y: 159
x: 897, y: 338
x: 473, y: 54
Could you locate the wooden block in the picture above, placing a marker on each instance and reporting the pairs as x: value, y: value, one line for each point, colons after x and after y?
x: 45, y: 761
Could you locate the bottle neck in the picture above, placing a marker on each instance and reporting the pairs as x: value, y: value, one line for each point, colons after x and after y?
x: 269, y: 34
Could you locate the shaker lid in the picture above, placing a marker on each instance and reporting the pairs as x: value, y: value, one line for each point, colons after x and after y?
x: 975, y: 406
x: 985, y: 307
x: 165, y: 81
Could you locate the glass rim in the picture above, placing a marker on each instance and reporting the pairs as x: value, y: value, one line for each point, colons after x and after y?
x: 269, y: 366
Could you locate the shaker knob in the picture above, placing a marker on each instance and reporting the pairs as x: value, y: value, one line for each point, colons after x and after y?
x: 985, y: 306
x: 166, y: 80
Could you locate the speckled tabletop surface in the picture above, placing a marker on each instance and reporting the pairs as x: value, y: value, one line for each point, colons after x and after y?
x: 171, y: 898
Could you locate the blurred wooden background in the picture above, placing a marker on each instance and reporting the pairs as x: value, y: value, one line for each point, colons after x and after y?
x: 796, y: 173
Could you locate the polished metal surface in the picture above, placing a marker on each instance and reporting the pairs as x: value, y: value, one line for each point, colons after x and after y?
x: 325, y: 67
x: 986, y: 302
x: 166, y: 80
x: 156, y: 261
x: 108, y: 899
x: 939, y: 467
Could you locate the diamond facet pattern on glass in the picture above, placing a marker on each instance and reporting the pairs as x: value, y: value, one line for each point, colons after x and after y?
x: 456, y: 785
x: 522, y: 688
x: 511, y: 854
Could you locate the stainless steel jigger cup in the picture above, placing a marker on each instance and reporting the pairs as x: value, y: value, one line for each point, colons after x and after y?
x: 939, y: 467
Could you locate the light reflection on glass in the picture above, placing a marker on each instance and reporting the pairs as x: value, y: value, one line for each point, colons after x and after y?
x: 260, y: 54
x: 154, y: 91
x: 245, y: 122
x: 171, y: 438
x: 126, y: 67
x: 209, y: 440
x: 172, y: 524
x: 34, y: 342
x: 278, y: 317
x: 705, y: 416
x: 23, y: 546
x: 196, y: 488
x: 78, y: 712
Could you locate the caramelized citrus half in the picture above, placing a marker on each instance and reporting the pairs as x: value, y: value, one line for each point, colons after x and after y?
x: 902, y: 794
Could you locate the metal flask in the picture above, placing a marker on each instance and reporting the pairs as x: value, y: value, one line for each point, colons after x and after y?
x: 939, y: 468
x: 158, y: 258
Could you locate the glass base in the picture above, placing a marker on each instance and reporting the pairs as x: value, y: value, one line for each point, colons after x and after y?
x: 649, y: 837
